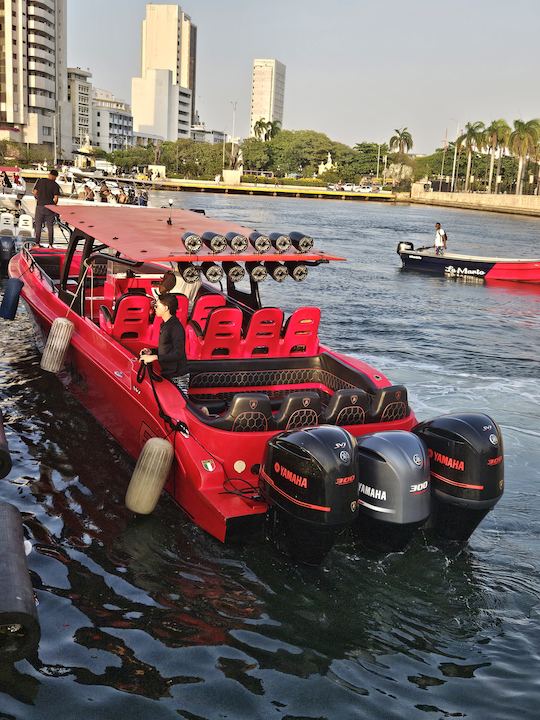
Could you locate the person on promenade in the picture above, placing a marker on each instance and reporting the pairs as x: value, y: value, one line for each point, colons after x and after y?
x: 6, y: 182
x: 46, y: 191
x: 440, y: 239
x: 171, y: 350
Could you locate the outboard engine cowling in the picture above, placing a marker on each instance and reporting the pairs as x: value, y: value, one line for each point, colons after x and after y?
x: 403, y: 246
x: 467, y: 471
x: 308, y: 478
x: 394, y: 488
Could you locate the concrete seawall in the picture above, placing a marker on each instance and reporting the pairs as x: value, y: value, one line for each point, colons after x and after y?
x: 514, y: 204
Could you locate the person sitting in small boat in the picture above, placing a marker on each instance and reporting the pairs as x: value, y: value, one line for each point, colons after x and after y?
x: 440, y: 239
x: 171, y: 351
x: 88, y: 193
x: 104, y: 192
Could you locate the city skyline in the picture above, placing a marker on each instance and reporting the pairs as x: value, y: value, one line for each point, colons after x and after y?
x: 354, y: 73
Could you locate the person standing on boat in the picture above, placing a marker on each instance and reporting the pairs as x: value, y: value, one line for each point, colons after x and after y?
x: 171, y: 351
x: 440, y: 239
x: 46, y: 191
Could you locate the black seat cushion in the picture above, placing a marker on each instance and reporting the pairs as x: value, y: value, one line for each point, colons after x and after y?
x: 299, y: 410
x: 389, y: 403
x: 349, y: 406
x: 247, y: 412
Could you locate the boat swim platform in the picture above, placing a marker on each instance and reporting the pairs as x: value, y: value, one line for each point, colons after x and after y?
x: 210, y: 186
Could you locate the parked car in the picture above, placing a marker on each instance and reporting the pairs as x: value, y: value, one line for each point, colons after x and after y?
x: 363, y: 188
x: 348, y: 187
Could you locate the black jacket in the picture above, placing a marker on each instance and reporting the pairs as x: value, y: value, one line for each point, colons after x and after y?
x: 171, y: 351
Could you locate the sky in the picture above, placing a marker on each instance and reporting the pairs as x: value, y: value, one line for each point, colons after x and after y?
x: 356, y: 69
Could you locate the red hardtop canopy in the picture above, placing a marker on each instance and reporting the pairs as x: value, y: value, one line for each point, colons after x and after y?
x: 9, y: 169
x: 143, y: 234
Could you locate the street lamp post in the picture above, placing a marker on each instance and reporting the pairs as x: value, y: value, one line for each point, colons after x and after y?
x: 234, y: 103
x: 455, y: 158
x: 443, y: 158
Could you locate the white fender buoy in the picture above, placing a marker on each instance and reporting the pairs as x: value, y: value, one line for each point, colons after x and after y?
x: 149, y: 476
x: 57, y: 345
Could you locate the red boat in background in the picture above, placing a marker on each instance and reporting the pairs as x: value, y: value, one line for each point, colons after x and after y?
x: 277, y: 431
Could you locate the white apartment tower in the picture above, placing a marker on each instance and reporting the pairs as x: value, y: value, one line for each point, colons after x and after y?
x: 112, y: 121
x: 267, y: 91
x: 80, y: 97
x: 33, y: 74
x: 163, y: 97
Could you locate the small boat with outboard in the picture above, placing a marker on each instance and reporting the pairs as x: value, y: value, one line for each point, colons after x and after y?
x: 468, y: 267
x: 277, y: 433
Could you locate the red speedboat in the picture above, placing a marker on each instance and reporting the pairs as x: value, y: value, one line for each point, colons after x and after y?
x: 277, y: 431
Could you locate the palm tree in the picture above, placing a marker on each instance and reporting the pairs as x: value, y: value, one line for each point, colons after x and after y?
x: 273, y: 127
x: 402, y: 141
x: 472, y: 139
x: 259, y: 129
x: 521, y: 142
x: 496, y: 137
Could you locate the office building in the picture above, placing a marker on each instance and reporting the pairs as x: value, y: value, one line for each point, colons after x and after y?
x: 33, y: 74
x: 200, y: 133
x: 112, y: 121
x: 163, y: 97
x: 80, y: 98
x: 267, y: 91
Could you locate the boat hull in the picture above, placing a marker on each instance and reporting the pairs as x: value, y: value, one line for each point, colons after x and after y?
x: 102, y: 375
x: 470, y: 267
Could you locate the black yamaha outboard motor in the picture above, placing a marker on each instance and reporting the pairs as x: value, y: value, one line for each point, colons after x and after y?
x: 394, y: 489
x: 308, y: 478
x: 467, y: 471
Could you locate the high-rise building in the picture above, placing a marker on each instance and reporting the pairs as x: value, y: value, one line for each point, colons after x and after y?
x: 33, y: 74
x: 80, y: 97
x: 112, y: 121
x: 163, y: 97
x: 267, y: 91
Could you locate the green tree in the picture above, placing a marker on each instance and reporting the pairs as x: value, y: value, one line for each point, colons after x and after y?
x: 368, y: 153
x: 472, y: 139
x: 291, y: 150
x: 402, y: 141
x: 273, y: 127
x: 256, y: 154
x: 259, y: 129
x: 496, y: 137
x: 522, y: 141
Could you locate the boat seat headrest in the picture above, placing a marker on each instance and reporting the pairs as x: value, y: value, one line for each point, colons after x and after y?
x: 299, y: 410
x: 349, y: 406
x: 389, y: 403
x: 247, y: 412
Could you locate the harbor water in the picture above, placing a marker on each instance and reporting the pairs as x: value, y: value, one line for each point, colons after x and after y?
x: 150, y: 619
